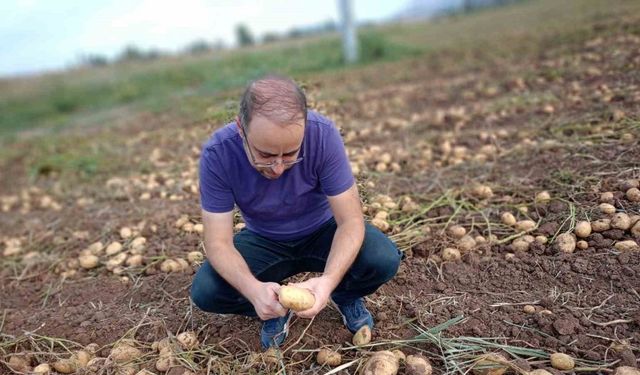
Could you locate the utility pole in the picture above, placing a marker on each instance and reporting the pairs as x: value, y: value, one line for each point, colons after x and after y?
x: 349, y: 39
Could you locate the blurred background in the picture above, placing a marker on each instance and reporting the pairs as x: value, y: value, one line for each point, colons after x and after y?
x: 65, y: 63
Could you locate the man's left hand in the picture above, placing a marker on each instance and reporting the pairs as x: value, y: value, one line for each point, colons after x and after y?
x: 321, y: 287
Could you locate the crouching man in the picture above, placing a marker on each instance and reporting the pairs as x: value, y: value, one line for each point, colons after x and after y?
x: 287, y: 171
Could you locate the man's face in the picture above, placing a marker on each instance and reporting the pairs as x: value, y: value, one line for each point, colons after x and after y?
x: 269, y: 142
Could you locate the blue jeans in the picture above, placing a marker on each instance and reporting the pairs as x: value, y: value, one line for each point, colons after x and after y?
x: 273, y: 261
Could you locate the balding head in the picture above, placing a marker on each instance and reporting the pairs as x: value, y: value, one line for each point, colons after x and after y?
x: 276, y: 98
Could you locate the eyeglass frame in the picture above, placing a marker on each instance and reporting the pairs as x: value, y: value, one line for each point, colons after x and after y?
x: 272, y: 164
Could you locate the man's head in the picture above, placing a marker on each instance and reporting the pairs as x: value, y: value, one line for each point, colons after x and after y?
x: 273, y: 112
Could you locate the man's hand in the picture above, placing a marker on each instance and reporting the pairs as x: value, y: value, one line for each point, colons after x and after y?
x: 321, y: 287
x: 264, y: 299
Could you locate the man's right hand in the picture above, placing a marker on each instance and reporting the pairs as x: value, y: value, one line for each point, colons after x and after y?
x: 264, y: 299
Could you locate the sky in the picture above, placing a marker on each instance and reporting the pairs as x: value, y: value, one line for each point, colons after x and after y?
x: 44, y: 35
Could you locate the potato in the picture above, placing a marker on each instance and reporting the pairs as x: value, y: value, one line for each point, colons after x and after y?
x: 606, y: 197
x: 542, y: 239
x: 583, y: 229
x: 381, y: 363
x: 627, y: 370
x: 188, y: 340
x: 629, y: 184
x: 126, y: 370
x: 92, y: 348
x: 195, y: 257
x: 65, y: 366
x: 82, y: 358
x: 163, y: 344
x: 123, y: 353
x: 399, y: 354
x: 582, y: 245
x: 529, y: 309
x: 113, y: 248
x: 621, y: 221
x: 116, y: 261
x: 520, y: 245
x: 628, y: 245
x: 635, y: 230
x: 170, y: 265
x: 296, y: 299
x: 543, y: 197
x: 134, y: 260
x: 566, y: 242
x: 508, y: 219
x: 601, y: 225
x: 539, y: 372
x: 525, y: 225
x: 562, y: 361
x: 198, y: 228
x: 633, y: 195
x: 417, y: 365
x: 165, y: 361
x: 490, y: 364
x: 89, y: 261
x: 183, y: 265
x: 42, y: 369
x: 457, y: 231
x: 383, y: 225
x: 271, y: 356
x: 607, y: 208
x: 328, y: 357
x: 451, y: 254
x: 138, y: 244
x: 382, y: 215
x: 126, y: 232
x: 96, y: 365
x: 482, y: 192
x: 466, y: 243
x: 95, y: 248
x: 19, y: 363
x: 362, y: 336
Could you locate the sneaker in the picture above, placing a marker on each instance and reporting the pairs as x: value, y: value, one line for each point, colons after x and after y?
x: 274, y: 331
x: 355, y: 315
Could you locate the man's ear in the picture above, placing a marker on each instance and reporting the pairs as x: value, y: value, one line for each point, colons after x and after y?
x: 238, y: 125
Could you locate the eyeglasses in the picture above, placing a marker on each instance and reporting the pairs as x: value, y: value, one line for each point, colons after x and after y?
x: 286, y: 163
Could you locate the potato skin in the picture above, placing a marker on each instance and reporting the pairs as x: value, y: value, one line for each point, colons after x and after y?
x: 328, y: 357
x: 562, y: 361
x: 362, y: 336
x: 296, y: 299
x: 418, y: 365
x: 381, y: 363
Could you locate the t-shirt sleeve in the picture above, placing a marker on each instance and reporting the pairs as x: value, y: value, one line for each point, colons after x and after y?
x: 215, y: 194
x: 335, y: 172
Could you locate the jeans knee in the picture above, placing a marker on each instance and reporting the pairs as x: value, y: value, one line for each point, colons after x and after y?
x: 203, y: 297
x: 380, y: 256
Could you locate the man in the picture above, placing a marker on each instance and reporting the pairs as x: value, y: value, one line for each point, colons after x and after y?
x: 287, y: 171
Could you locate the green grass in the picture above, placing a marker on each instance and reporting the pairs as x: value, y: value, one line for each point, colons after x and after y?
x: 63, y: 99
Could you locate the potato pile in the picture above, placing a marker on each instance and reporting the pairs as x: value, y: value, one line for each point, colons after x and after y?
x: 29, y: 199
x: 388, y: 363
x: 609, y: 219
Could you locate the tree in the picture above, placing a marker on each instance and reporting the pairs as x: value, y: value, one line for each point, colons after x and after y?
x: 244, y: 36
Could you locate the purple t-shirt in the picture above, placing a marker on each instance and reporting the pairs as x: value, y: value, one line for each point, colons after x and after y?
x: 289, y: 207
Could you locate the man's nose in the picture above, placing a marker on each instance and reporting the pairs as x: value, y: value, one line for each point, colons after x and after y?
x: 278, y: 168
